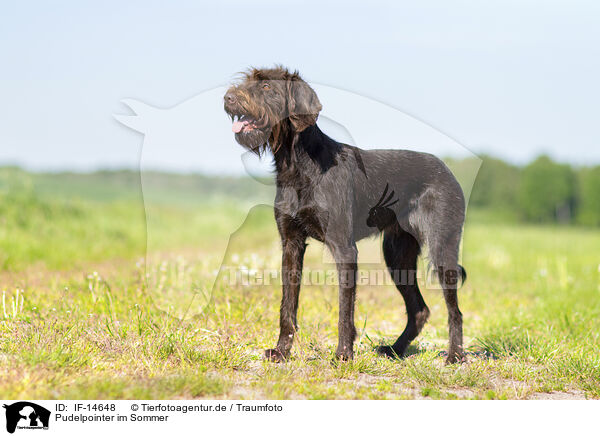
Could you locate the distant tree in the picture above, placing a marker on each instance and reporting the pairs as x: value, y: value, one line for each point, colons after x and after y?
x: 496, y: 184
x: 589, y: 196
x: 547, y: 191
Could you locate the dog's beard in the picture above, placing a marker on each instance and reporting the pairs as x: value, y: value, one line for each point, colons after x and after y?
x: 254, y: 140
x: 257, y: 133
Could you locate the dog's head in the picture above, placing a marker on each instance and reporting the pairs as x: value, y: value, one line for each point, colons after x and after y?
x: 269, y: 104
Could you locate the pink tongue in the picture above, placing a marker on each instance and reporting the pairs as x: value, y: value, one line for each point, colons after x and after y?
x: 237, y: 126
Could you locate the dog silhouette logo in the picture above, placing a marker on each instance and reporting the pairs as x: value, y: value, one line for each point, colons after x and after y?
x: 381, y: 215
x: 26, y: 415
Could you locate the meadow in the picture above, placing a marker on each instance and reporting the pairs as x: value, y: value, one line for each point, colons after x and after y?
x: 92, y: 309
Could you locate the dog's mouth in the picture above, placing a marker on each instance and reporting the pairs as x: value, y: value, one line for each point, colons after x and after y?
x: 243, y: 124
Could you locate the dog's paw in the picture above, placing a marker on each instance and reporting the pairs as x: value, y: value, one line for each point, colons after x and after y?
x: 274, y: 355
x: 387, y: 351
x: 344, y: 355
x: 458, y: 357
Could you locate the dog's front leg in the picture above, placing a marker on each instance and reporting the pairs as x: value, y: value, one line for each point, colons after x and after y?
x: 291, y: 272
x: 346, y: 260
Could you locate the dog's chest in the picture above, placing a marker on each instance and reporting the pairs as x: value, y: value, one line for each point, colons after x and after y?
x: 302, y: 209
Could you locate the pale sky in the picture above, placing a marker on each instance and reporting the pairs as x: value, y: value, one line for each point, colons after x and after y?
x: 510, y: 78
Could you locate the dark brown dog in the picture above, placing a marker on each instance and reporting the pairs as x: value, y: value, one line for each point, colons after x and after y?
x: 339, y: 194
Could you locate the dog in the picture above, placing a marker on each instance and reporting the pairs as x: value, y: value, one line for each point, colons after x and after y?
x: 338, y: 194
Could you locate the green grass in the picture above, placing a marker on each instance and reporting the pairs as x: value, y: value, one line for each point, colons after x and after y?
x: 88, y: 321
x: 63, y: 221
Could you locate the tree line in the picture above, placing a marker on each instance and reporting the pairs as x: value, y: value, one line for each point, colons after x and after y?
x: 541, y: 192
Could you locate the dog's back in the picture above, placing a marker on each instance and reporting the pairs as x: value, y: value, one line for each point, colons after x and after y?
x: 416, y: 179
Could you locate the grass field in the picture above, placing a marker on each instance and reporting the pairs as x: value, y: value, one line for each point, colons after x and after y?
x: 86, y: 315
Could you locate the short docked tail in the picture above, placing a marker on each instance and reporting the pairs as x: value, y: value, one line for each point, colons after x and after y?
x: 463, y: 274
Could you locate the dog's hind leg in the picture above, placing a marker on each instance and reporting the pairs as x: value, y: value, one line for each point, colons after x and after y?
x: 401, y: 250
x: 445, y: 259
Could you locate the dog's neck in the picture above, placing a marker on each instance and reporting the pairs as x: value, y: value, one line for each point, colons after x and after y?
x: 306, y: 152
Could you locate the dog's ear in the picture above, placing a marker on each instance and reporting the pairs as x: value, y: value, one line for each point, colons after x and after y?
x: 303, y: 104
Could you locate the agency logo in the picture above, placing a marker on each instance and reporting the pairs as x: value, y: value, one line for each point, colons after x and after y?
x: 26, y: 415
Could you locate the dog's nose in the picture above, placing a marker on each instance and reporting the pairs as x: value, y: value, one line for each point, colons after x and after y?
x: 230, y: 98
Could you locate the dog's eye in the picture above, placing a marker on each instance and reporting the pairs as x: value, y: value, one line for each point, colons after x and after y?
x: 266, y: 86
